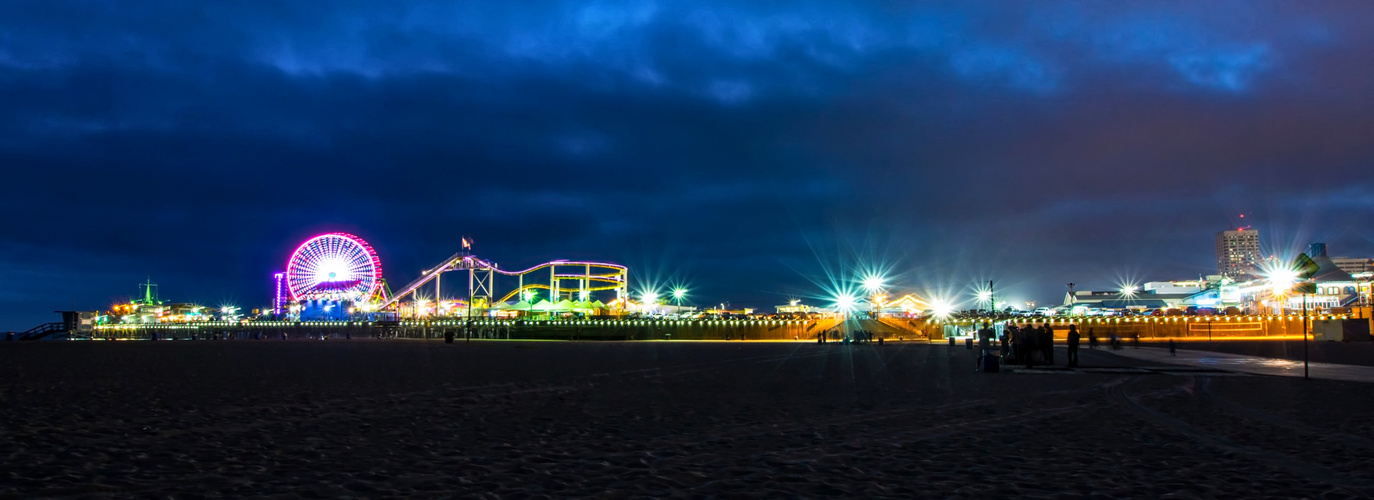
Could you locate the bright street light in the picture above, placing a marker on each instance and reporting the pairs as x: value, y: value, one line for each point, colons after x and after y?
x: 1282, y: 280
x: 940, y: 308
x: 873, y: 282
x: 1128, y: 290
x: 844, y: 302
x: 678, y: 293
x: 649, y: 301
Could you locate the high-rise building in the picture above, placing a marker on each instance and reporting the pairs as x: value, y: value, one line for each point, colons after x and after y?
x: 1237, y: 251
x: 1354, y: 265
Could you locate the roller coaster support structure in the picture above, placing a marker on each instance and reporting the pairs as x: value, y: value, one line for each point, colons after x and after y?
x: 481, y: 280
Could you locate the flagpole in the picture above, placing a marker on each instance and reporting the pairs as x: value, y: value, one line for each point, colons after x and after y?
x: 467, y: 325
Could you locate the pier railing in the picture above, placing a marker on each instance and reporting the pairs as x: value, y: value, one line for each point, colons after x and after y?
x: 606, y: 329
x: 1163, y: 328
x: 1145, y: 328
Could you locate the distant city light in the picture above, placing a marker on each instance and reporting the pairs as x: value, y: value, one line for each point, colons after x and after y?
x: 678, y: 293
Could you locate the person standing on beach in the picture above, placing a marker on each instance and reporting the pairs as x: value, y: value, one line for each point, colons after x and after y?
x: 1028, y: 333
x: 1012, y: 334
x: 1092, y: 339
x: 1073, y: 345
x: 1003, y: 338
x: 984, y: 344
x: 1047, y: 343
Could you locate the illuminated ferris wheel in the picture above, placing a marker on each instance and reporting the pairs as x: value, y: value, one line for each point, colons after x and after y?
x: 334, y: 266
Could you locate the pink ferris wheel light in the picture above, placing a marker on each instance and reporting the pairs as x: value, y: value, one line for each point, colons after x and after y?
x: 333, y: 266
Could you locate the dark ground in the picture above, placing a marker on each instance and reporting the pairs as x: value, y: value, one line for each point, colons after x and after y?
x: 529, y: 419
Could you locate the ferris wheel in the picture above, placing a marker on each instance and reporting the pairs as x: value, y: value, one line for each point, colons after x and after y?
x: 333, y: 266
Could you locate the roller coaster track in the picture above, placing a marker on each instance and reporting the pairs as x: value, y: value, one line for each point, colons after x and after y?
x: 461, y: 261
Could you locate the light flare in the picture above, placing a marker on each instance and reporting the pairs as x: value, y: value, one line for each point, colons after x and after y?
x: 941, y: 308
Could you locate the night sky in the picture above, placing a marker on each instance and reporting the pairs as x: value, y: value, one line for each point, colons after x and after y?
x: 752, y: 153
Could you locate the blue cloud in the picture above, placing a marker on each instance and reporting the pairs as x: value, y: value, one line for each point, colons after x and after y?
x: 1232, y: 70
x: 1004, y: 65
x: 609, y: 128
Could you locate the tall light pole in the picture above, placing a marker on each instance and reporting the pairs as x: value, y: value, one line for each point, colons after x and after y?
x: 646, y: 298
x: 1304, y: 334
x: 844, y: 302
x: 874, y: 285
x: 992, y: 297
x: 1295, y: 277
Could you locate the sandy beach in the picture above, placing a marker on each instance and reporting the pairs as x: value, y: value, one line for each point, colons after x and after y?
x: 370, y: 418
x: 1346, y: 353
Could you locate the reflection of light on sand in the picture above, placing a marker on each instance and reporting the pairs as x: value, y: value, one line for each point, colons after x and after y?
x: 1253, y: 364
x: 1262, y: 362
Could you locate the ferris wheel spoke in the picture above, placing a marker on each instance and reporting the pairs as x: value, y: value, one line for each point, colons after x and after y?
x: 316, y: 254
x: 362, y: 266
x: 309, y: 264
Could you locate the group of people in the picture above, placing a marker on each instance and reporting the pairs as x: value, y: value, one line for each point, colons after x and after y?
x: 1029, y: 343
x: 855, y: 336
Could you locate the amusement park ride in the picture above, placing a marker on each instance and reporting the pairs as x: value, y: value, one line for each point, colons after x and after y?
x: 337, y: 276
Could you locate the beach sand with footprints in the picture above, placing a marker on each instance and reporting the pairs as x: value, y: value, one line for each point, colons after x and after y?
x: 290, y: 419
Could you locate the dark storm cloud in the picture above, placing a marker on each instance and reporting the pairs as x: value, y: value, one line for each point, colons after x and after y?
x: 744, y: 149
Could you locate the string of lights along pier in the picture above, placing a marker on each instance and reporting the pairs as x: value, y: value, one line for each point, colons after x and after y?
x: 334, y: 282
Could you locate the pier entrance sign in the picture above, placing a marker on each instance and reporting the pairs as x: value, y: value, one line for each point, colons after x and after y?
x: 1305, y: 267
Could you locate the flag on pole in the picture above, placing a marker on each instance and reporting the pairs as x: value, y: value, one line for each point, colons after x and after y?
x: 467, y: 243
